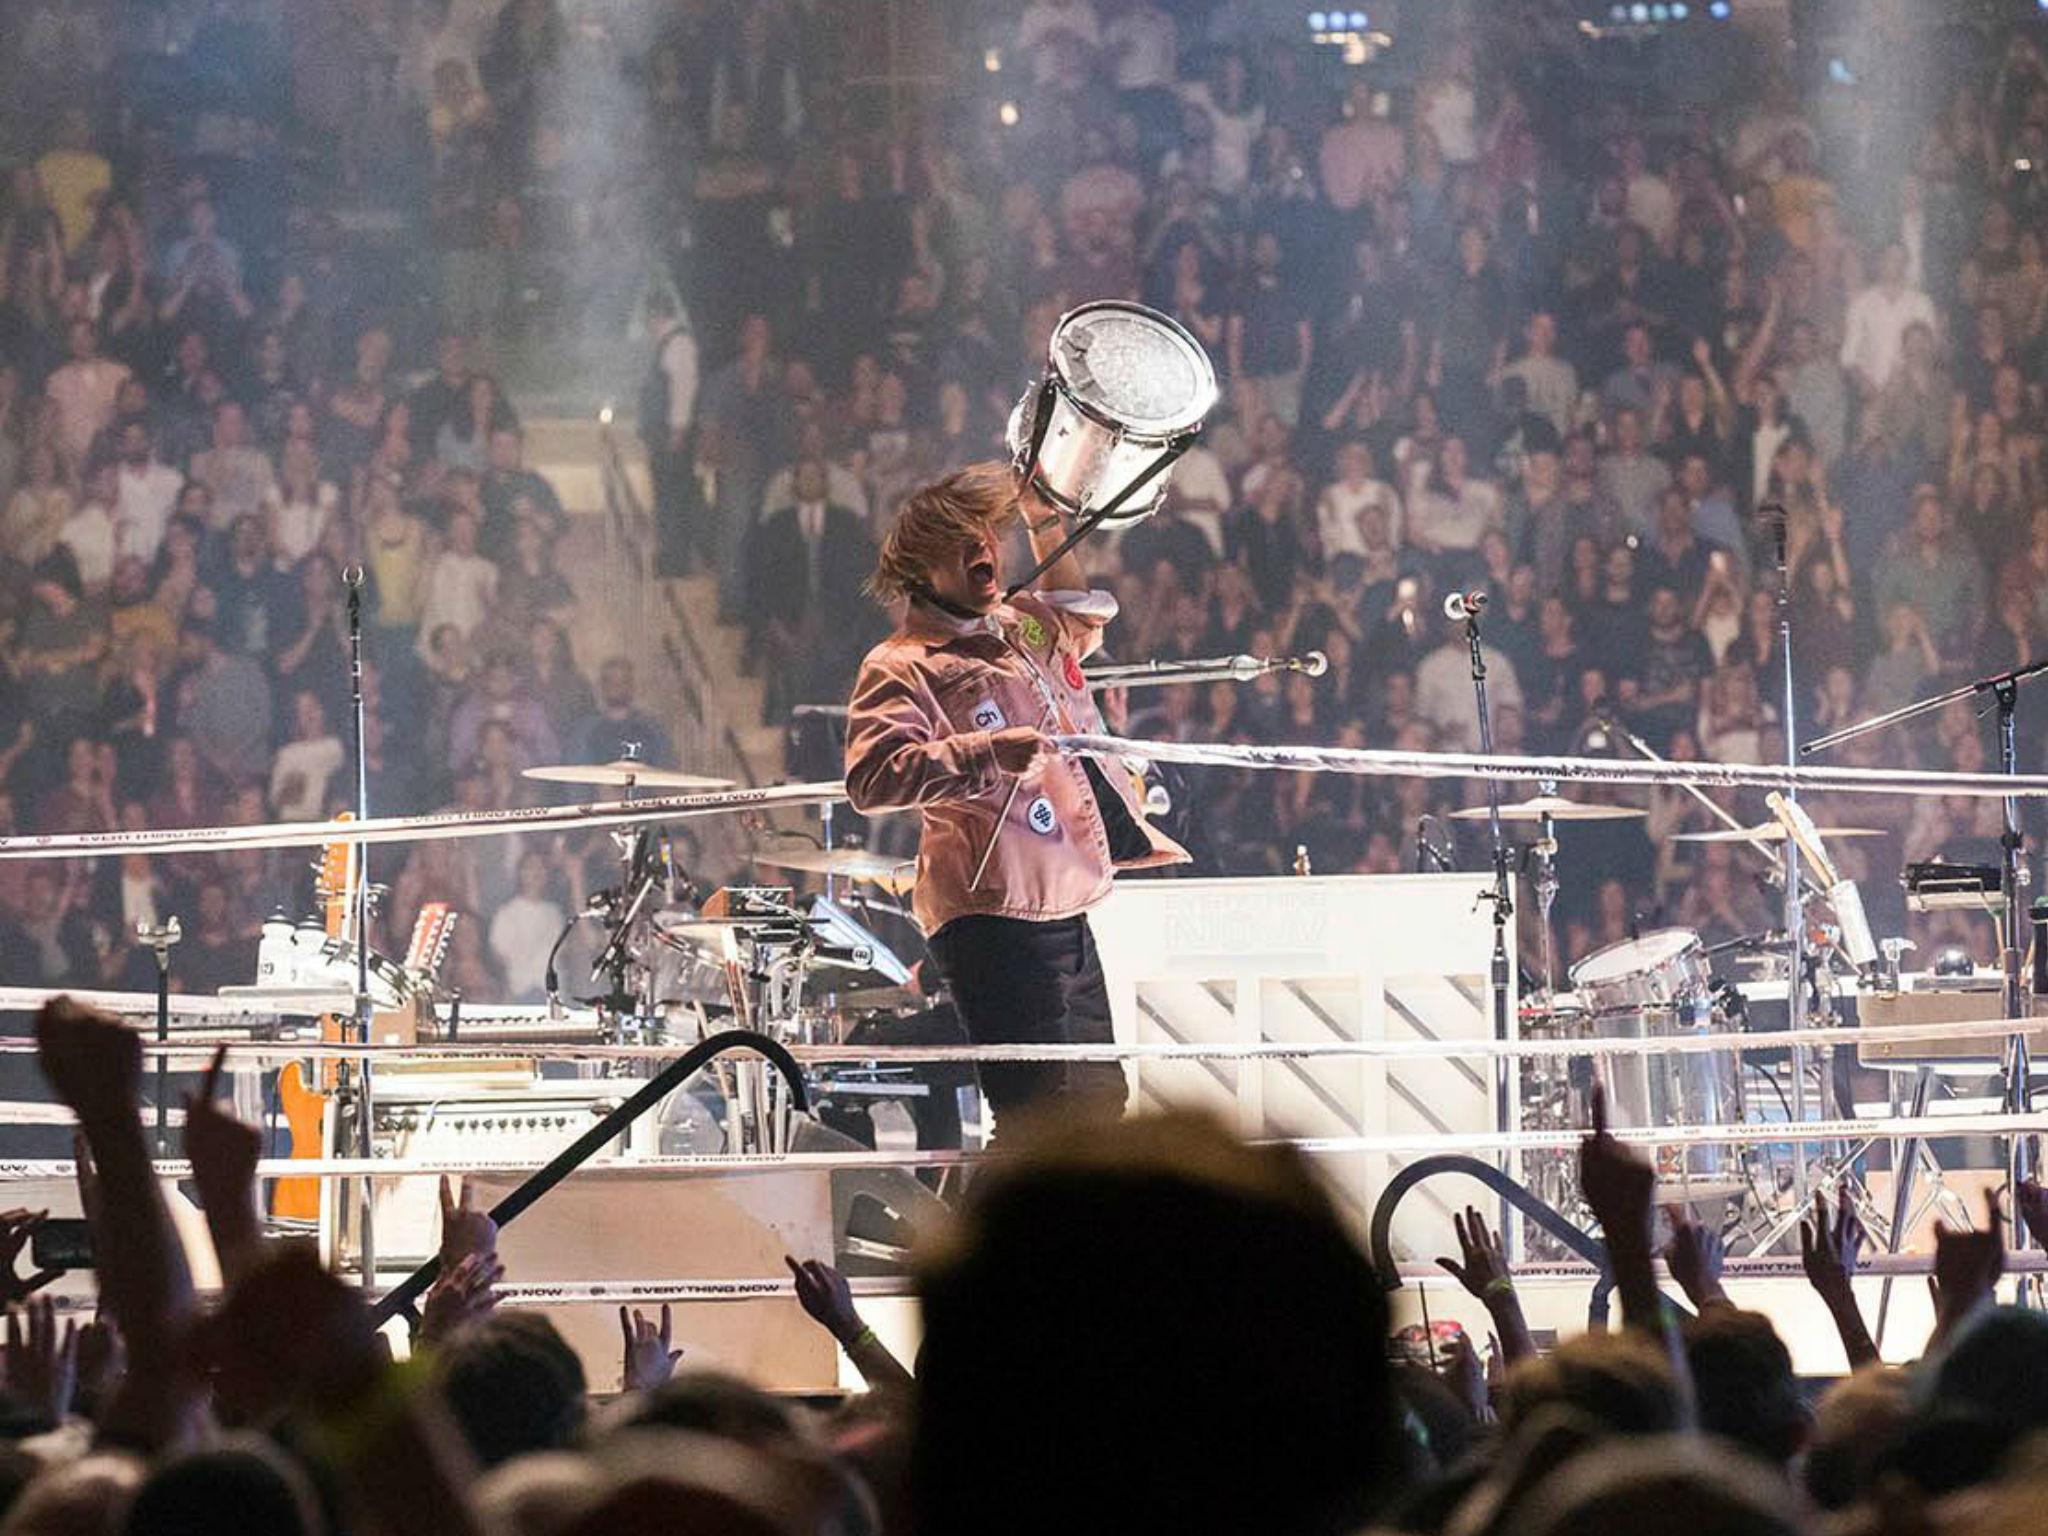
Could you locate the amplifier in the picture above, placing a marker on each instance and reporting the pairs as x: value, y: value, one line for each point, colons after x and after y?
x: 1951, y: 1004
x: 421, y: 1117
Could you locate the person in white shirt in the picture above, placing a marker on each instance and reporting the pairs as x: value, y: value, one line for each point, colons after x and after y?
x: 235, y: 470
x: 1452, y: 512
x: 83, y: 391
x: 1874, y: 331
x: 459, y: 584
x: 1341, y: 509
x: 301, y: 508
x: 89, y: 532
x: 145, y: 495
x: 1202, y: 492
x: 1444, y: 695
x: 1236, y: 121
x: 1552, y: 383
x: 524, y: 929
x: 306, y: 764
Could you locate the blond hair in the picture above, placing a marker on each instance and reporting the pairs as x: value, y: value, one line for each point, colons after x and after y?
x: 938, y: 521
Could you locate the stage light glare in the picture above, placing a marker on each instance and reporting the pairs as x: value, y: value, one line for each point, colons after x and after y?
x: 1359, y: 21
x: 1680, y: 11
x: 1318, y: 22
x: 1007, y: 114
x: 992, y: 60
x: 1639, y: 13
x: 604, y: 414
x: 1718, y: 10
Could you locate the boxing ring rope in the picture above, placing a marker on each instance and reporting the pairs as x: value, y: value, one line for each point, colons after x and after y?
x: 404, y: 829
x: 1591, y: 770
x: 1300, y: 759
x: 16, y: 1170
x: 200, y: 1050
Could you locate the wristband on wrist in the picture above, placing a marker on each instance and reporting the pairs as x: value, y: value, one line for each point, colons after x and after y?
x: 1500, y: 1288
x: 865, y: 1336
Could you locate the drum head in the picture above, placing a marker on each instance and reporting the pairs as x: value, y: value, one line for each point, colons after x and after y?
x: 1133, y: 368
x: 1633, y: 957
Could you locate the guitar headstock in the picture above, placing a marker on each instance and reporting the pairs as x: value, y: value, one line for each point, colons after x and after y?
x: 431, y: 931
x: 335, y: 883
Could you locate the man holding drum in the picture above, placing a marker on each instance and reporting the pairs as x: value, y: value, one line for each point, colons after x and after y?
x: 952, y: 714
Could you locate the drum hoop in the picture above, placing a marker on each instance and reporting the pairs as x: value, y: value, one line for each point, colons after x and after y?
x: 1206, y: 393
x: 1579, y: 973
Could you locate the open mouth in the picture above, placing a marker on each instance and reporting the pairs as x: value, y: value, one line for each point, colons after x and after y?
x: 981, y: 572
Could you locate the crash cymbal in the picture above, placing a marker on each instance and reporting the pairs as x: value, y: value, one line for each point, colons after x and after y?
x: 1554, y: 806
x: 622, y: 774
x: 893, y: 874
x: 1768, y: 832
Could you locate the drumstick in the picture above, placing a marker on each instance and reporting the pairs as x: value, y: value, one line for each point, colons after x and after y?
x: 1045, y: 719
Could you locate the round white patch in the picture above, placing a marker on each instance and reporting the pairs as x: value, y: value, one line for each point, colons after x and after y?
x: 987, y: 716
x: 1040, y: 817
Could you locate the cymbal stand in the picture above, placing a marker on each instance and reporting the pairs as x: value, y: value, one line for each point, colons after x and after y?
x: 1545, y: 849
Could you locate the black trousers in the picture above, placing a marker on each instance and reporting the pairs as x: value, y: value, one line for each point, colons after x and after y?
x: 1015, y: 982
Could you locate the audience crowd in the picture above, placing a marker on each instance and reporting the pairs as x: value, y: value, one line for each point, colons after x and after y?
x: 1074, y: 1371
x: 1480, y: 325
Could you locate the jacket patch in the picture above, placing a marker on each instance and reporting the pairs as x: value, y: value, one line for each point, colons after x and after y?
x: 1040, y: 818
x: 988, y: 716
x: 1032, y: 631
x: 1076, y: 679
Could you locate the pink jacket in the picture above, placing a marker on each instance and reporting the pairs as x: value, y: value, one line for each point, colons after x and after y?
x: 927, y: 700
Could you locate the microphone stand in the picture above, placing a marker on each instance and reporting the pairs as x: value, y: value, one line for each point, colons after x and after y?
x: 352, y: 1080
x: 1501, y: 896
x: 1794, y: 893
x: 2016, y: 1068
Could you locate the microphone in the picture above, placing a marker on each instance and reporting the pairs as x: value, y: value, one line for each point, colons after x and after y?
x: 1465, y: 605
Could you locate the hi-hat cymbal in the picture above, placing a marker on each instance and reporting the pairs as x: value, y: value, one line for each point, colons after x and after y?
x: 1766, y: 832
x: 1556, y: 807
x: 622, y: 774
x: 893, y: 874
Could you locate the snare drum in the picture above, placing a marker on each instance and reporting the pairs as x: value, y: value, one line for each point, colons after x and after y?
x: 1664, y: 969
x: 1653, y: 987
x: 1124, y: 387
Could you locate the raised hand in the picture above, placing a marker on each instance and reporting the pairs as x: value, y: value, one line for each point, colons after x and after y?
x: 16, y: 1227
x: 41, y: 1359
x: 222, y: 1150
x: 464, y: 1229
x: 94, y: 1063
x: 2031, y: 1201
x: 1620, y: 1185
x: 460, y: 1295
x: 1465, y: 1374
x: 1831, y: 1250
x: 1483, y: 1267
x: 1695, y: 1256
x: 102, y: 1361
x: 1967, y: 1264
x: 649, y: 1361
x: 825, y: 1297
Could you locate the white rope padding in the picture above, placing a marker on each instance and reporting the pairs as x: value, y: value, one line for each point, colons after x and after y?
x: 725, y: 1165
x: 139, y: 1009
x: 406, y: 829
x: 1595, y: 770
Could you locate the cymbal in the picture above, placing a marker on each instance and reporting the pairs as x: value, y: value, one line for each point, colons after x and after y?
x: 1554, y: 806
x: 623, y: 773
x: 1766, y: 832
x: 893, y: 874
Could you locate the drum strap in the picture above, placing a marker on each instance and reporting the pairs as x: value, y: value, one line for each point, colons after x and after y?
x: 1093, y: 520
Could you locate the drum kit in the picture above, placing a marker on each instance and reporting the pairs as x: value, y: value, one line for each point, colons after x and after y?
x: 1661, y: 984
x: 673, y: 967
